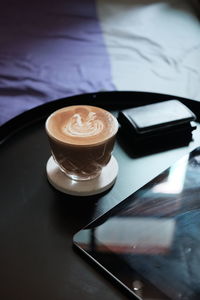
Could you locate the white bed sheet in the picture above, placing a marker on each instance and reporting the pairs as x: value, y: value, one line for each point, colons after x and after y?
x: 153, y: 45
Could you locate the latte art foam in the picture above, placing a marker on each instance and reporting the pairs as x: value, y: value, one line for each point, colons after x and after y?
x: 81, y: 125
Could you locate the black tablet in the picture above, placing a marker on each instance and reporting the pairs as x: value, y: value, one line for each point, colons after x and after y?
x: 150, y: 242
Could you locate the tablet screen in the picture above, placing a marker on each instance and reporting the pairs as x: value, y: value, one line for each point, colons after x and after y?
x: 150, y: 242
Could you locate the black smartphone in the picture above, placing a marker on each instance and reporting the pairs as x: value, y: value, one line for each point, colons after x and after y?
x: 150, y: 242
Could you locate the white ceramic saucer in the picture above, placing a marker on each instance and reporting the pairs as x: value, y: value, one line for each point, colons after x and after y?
x: 94, y: 186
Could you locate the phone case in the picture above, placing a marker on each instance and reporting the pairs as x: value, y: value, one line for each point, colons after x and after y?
x: 156, y: 127
x: 162, y: 116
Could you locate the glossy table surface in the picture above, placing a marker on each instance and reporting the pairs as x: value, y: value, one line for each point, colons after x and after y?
x: 37, y: 223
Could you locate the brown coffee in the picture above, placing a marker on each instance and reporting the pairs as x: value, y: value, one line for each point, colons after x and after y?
x: 82, y: 139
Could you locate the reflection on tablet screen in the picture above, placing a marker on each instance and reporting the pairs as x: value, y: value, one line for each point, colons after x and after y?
x: 150, y: 243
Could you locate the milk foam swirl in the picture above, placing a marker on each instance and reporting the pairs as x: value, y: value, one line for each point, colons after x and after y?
x: 83, y: 126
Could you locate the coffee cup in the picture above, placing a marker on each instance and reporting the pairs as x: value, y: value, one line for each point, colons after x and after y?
x: 81, y: 138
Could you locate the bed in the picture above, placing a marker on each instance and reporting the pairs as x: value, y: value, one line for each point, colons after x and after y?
x: 54, y: 49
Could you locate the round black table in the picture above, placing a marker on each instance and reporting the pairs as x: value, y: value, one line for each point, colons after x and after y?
x: 37, y: 223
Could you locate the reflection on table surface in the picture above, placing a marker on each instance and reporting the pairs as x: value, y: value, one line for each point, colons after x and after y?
x: 151, y: 241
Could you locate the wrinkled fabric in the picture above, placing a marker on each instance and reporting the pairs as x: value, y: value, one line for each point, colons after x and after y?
x: 153, y: 45
x: 48, y: 50
x: 54, y: 49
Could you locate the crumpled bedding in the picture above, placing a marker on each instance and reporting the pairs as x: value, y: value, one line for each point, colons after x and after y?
x: 53, y: 49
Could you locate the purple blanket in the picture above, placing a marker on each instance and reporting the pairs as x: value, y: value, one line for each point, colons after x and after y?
x: 48, y: 50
